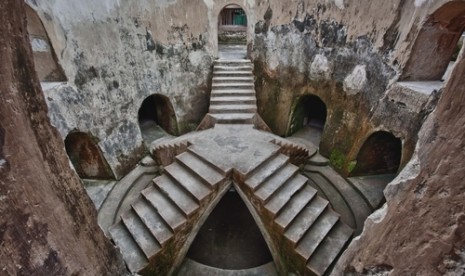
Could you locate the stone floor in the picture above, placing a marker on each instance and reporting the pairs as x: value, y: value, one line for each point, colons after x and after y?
x: 232, y: 51
x: 151, y: 132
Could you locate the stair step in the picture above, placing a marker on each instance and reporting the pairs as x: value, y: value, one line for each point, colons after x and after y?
x: 233, y: 68
x: 201, y: 168
x: 316, y: 234
x: 140, y: 233
x: 188, y: 180
x: 132, y: 254
x: 306, y: 219
x: 232, y: 92
x: 234, y: 118
x: 242, y: 79
x: 177, y: 194
x: 277, y: 180
x: 278, y: 200
x: 330, y: 248
x: 232, y: 85
x: 229, y: 73
x: 232, y: 62
x: 294, y: 206
x: 233, y: 100
x: 167, y: 210
x: 233, y: 108
x: 152, y: 219
x: 265, y: 170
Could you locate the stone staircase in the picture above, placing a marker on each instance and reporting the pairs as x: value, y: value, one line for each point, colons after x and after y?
x: 305, y: 229
x: 156, y: 227
x: 233, y: 94
x: 306, y: 233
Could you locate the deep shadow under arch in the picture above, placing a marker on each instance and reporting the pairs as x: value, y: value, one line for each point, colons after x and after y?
x: 230, y: 238
x: 310, y: 112
x: 158, y: 109
x: 380, y: 154
x: 86, y: 157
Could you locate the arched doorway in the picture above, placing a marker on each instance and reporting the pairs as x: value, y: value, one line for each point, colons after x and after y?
x: 380, y: 154
x: 309, y: 118
x: 232, y: 32
x: 86, y: 157
x: 45, y: 60
x: 436, y: 44
x: 156, y: 118
x: 230, y: 238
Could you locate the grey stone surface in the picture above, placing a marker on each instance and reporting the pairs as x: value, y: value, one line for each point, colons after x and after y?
x: 306, y: 219
x: 98, y: 190
x: 372, y: 187
x: 232, y: 51
x: 275, y: 182
x: 262, y: 173
x: 123, y: 194
x: 176, y: 194
x: 167, y: 209
x: 148, y: 161
x: 191, y: 267
x: 279, y: 200
x: 315, y: 236
x: 141, y: 234
x: 294, y: 206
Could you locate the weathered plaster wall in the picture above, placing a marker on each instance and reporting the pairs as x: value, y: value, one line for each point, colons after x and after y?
x: 420, y: 230
x: 115, y: 54
x: 348, y: 54
x: 48, y: 225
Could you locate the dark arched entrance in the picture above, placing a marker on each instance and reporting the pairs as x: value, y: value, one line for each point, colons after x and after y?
x: 436, y: 43
x: 232, y: 32
x: 86, y: 157
x: 309, y: 118
x: 156, y: 116
x: 230, y: 238
x: 380, y: 154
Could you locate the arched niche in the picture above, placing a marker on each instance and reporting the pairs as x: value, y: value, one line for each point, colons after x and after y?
x: 380, y: 154
x: 45, y: 61
x: 86, y: 157
x: 309, y: 118
x: 436, y: 43
x: 156, y: 117
x: 230, y: 238
x: 232, y: 32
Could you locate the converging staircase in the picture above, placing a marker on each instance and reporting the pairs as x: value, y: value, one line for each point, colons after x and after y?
x: 155, y: 228
x: 306, y: 234
x: 310, y: 234
x: 233, y: 93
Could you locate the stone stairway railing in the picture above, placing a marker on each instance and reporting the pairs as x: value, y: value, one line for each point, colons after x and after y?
x: 345, y: 199
x: 306, y: 231
x: 153, y: 232
x: 298, y: 154
x: 165, y: 152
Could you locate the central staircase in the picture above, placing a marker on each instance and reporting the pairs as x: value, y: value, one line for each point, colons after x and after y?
x: 233, y: 94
